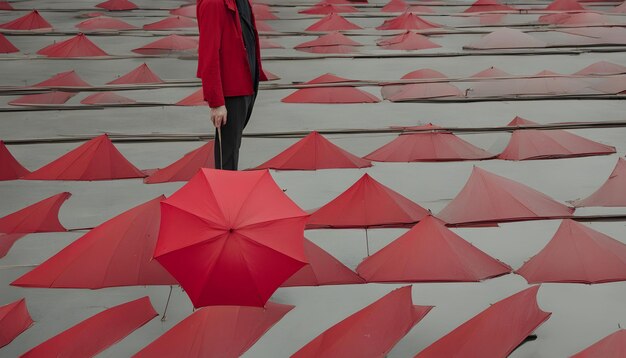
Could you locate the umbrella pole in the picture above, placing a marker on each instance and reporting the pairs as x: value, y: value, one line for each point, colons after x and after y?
x: 167, y: 304
x: 219, y: 137
x: 367, y: 243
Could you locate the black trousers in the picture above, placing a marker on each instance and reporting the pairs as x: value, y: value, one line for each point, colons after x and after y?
x: 239, y: 110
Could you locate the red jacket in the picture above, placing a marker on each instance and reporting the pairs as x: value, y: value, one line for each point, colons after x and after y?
x: 222, y: 58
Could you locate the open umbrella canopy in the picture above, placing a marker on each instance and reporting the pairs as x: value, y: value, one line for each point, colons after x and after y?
x: 333, y: 42
x: 613, y: 345
x: 423, y: 73
x: 10, y: 168
x: 97, y: 159
x: 577, y: 254
x: 104, y: 23
x: 495, y: 332
x: 490, y: 198
x: 430, y: 252
x: 333, y: 22
x: 263, y: 12
x: 314, y: 152
x: 77, y: 46
x: 265, y: 43
x: 194, y: 99
x: 47, y: 98
x: 330, y: 94
x: 42, y: 216
x: 172, y: 23
x: 487, y: 5
x: 64, y: 79
x: 117, y: 5
x: 6, y: 46
x: 408, y: 40
x: 185, y: 168
x: 116, y: 253
x: 217, y: 331
x: 187, y: 10
x: 231, y: 238
x: 564, y: 5
x: 602, y: 68
x: 325, y: 9
x: 5, y: 5
x: 14, y: 319
x: 371, y: 332
x: 612, y: 192
x: 107, y: 98
x: 395, y: 6
x: 31, y: 21
x: 407, y: 21
x: 97, y: 333
x: 491, y: 72
x: 322, y: 269
x: 167, y: 45
x: 141, y: 74
x: 504, y: 38
x: 436, y: 145
x: 367, y: 203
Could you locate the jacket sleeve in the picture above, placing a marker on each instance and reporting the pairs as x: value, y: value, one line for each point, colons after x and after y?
x: 210, y: 15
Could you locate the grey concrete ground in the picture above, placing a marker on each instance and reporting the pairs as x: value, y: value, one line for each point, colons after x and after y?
x: 581, y: 314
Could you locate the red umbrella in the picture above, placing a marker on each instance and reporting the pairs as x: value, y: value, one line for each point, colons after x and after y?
x: 117, y: 5
x: 564, y: 5
x: 487, y: 5
x: 407, y: 21
x: 64, y: 79
x: 333, y: 22
x: 14, y: 319
x: 4, y: 5
x: 107, y: 98
x: 506, y: 38
x: 602, y: 68
x: 30, y: 21
x: 613, y: 345
x: 408, y: 40
x: 48, y: 98
x: 104, y: 23
x: 231, y: 238
x: 491, y: 72
x: 577, y: 254
x: 172, y: 23
x: 77, y: 46
x: 43, y: 216
x: 430, y: 252
x: 612, y: 192
x: 188, y: 11
x: 314, y: 152
x: 168, y: 44
x: 10, y: 168
x: 6, y: 46
x: 97, y: 333
x: 217, y: 331
x: 141, y: 74
x: 395, y: 6
x: 371, y: 332
x: 116, y: 253
x: 194, y: 99
x: 330, y: 94
x: 263, y: 12
x: 185, y: 168
x: 495, y: 332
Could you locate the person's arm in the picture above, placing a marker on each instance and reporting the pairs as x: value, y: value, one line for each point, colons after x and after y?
x: 210, y: 18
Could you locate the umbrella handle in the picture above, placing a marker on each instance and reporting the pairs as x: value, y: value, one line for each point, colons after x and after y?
x: 219, y: 136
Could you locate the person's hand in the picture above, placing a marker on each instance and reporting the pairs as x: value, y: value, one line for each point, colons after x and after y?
x: 218, y: 116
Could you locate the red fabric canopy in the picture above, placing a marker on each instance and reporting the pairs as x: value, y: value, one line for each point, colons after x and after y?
x: 528, y: 144
x: 423, y: 73
x: 263, y: 26
x: 47, y: 98
x: 367, y: 203
x: 577, y: 254
x: 322, y: 269
x: 117, y: 5
x: 14, y: 319
x: 602, y: 68
x: 407, y: 41
x: 504, y: 38
x: 586, y: 19
x: 30, y: 21
x: 231, y: 238
x: 104, y: 23
x: 270, y: 76
x: 487, y: 197
x: 325, y: 9
x: 333, y: 22
x: 141, y: 74
x: 487, y: 5
x: 6, y: 46
x: 268, y: 44
x: 263, y: 12
x: 395, y: 6
x: 436, y: 145
x: 7, y: 241
x: 5, y: 5
x: 338, y: 94
x: 491, y: 72
x: 495, y: 332
x: 333, y: 42
x: 116, y: 253
x: 172, y: 23
x: 77, y: 46
x: 43, y: 216
x: 218, y: 331
x: 168, y: 44
x: 564, y: 5
x: 407, y: 21
x: 613, y: 345
x: 194, y: 99
x: 97, y: 159
x: 107, y: 98
x: 188, y: 11
x: 10, y: 168
x: 97, y: 332
x: 64, y: 79
x: 314, y: 152
x: 417, y: 91
x: 612, y: 192
x: 371, y: 332
x: 430, y: 252
x: 185, y: 168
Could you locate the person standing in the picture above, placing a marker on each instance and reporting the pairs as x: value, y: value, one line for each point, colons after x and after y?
x: 229, y: 65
